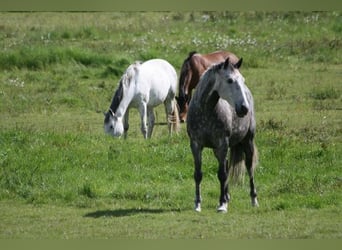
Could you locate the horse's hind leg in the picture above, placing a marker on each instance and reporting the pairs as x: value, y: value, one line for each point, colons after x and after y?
x: 197, y: 154
x: 169, y: 113
x: 251, y: 159
x: 143, y: 116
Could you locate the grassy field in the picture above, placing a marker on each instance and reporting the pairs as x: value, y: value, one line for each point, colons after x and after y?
x: 61, y: 177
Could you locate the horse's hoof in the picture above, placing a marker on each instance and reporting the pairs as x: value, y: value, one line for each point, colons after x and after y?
x: 255, y: 202
x: 223, y: 208
x: 198, y: 208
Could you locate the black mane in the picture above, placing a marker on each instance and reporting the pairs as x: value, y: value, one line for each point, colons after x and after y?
x: 117, y: 97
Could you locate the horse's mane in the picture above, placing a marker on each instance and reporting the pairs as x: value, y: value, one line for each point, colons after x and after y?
x: 125, y: 79
x: 130, y: 73
x: 117, y: 97
x: 184, y: 71
x: 207, y: 80
x: 191, y: 54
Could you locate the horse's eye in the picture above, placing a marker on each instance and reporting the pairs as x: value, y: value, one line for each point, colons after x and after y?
x: 230, y: 80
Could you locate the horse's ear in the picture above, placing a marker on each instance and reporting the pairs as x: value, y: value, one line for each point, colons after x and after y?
x: 226, y: 63
x: 238, y: 64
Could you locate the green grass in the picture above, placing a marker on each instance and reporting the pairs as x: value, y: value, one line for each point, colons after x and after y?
x: 130, y: 222
x: 62, y: 177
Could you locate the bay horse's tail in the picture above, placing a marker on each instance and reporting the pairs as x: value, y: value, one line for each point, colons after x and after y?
x: 237, y: 167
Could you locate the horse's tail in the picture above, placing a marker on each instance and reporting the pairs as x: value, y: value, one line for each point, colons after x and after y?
x: 174, y: 117
x: 183, y: 73
x: 237, y: 167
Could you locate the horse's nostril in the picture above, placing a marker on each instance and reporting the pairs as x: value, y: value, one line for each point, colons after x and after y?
x: 244, y: 109
x: 241, y: 111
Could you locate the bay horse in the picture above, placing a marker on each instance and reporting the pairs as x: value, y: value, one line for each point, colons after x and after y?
x: 144, y: 86
x: 221, y: 117
x: 192, y: 69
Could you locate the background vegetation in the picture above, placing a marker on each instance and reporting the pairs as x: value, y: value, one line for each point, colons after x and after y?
x: 61, y: 177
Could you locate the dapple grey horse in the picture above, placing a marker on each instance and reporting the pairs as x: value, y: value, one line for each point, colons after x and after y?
x: 221, y: 117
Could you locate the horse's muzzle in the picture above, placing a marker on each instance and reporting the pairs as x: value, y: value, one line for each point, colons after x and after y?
x: 241, y: 111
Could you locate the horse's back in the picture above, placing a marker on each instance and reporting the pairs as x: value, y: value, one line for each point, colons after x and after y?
x: 158, y: 70
x: 220, y: 56
x: 204, y: 61
x: 158, y: 65
x: 159, y: 78
x: 199, y: 63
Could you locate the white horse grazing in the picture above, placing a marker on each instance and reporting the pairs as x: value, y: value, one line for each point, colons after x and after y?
x: 144, y: 86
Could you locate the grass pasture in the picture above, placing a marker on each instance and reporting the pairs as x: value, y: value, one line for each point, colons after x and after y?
x: 62, y: 178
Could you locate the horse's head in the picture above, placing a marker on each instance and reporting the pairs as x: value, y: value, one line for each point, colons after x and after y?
x: 230, y: 85
x: 113, y: 125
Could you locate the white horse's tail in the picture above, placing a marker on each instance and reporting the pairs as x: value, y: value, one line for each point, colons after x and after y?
x: 173, y: 119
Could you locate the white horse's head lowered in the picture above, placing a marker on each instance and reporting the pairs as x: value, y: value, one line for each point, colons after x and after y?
x: 113, y: 122
x: 230, y: 85
x: 113, y: 125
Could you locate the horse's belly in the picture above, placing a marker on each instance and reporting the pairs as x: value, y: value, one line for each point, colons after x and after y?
x: 157, y: 97
x: 152, y: 98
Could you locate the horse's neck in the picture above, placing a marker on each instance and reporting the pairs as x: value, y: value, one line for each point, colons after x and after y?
x: 120, y: 105
x: 117, y: 98
x: 124, y: 104
x: 212, y: 100
x: 184, y: 79
x: 209, y: 96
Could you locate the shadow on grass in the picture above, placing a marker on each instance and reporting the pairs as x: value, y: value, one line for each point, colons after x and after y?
x: 122, y: 212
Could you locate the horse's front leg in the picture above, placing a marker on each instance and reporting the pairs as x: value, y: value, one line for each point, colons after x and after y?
x: 126, y: 125
x: 143, y: 117
x: 151, y: 119
x: 197, y: 154
x: 169, y: 114
x: 222, y: 174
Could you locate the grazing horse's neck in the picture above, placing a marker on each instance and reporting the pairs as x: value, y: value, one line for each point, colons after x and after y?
x: 117, y: 98
x: 123, y: 106
x: 121, y: 101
